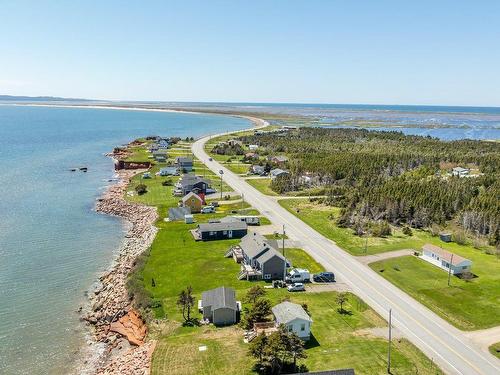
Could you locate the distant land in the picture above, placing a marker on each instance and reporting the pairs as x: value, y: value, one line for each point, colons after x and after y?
x: 13, y: 98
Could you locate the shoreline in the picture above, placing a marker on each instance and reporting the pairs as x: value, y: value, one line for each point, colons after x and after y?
x: 108, y: 352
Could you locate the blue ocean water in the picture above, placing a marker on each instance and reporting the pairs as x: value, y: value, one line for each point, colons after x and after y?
x: 52, y: 244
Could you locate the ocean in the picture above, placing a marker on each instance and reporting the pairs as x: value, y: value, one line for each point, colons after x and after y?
x: 53, y: 246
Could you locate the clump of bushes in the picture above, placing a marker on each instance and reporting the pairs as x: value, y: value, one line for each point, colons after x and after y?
x: 141, y: 189
x: 407, y: 231
x: 167, y: 182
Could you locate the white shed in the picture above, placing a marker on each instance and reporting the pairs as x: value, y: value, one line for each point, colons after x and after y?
x: 294, y: 318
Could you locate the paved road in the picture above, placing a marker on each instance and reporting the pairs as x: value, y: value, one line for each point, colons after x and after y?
x: 439, y: 340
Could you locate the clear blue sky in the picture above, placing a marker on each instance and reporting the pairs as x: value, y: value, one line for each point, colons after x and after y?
x: 382, y: 52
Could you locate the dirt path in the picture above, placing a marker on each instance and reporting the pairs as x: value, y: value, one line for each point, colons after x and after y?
x: 485, y: 337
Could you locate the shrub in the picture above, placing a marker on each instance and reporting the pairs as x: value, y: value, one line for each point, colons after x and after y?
x: 407, y: 231
x: 167, y: 182
x: 434, y: 230
x: 141, y: 189
x: 459, y: 237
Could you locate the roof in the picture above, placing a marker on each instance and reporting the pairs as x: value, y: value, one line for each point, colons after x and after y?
x: 254, y: 244
x: 191, y: 179
x: 445, y: 255
x: 280, y: 158
x: 270, y: 254
x: 277, y: 171
x: 183, y: 160
x: 178, y: 213
x: 215, y: 227
x: 347, y: 371
x: 287, y: 311
x: 222, y: 297
x: 191, y: 195
x: 460, y: 169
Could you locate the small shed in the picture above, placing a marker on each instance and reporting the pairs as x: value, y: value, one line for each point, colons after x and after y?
x: 445, y: 237
x: 219, y: 306
x: 189, y: 219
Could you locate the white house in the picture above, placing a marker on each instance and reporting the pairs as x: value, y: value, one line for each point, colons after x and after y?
x: 294, y: 318
x: 460, y: 172
x: 253, y: 147
x: 444, y: 259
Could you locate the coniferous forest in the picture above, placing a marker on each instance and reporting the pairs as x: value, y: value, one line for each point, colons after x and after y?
x: 388, y: 177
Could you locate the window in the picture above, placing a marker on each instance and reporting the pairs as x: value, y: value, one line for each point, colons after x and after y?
x: 211, y: 233
x: 290, y: 328
x: 464, y: 267
x: 224, y: 232
x: 267, y: 276
x: 302, y: 327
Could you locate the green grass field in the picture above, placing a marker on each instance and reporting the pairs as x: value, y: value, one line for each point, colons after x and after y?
x: 468, y: 305
x: 262, y: 185
x: 495, y: 349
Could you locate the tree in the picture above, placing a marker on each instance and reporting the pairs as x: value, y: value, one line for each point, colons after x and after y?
x: 185, y: 303
x: 407, y: 231
x: 254, y: 293
x: 341, y: 299
x: 258, y: 347
x: 295, y: 347
x: 258, y: 312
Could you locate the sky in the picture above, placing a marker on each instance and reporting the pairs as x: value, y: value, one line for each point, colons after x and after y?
x: 311, y: 51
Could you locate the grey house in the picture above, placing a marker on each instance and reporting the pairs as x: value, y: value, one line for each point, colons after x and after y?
x: 277, y: 172
x: 260, y: 259
x: 221, y: 230
x: 190, y: 182
x: 219, y: 306
x: 184, y: 163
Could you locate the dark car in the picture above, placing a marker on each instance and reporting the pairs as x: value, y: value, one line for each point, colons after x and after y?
x: 324, y: 277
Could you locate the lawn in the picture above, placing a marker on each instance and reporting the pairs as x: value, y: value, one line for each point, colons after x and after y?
x: 262, y: 185
x: 337, y: 342
x: 495, y: 350
x: 322, y: 218
x: 469, y: 305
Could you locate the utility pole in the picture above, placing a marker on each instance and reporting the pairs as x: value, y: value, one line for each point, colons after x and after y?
x: 449, y: 269
x: 284, y: 257
x: 390, y: 337
x: 242, y: 200
x: 221, y: 172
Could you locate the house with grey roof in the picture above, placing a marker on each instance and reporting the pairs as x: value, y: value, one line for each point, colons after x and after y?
x: 184, y: 164
x: 294, y: 318
x: 220, y: 230
x: 260, y: 259
x: 219, y: 306
x: 277, y: 172
x: 460, y: 172
x: 190, y: 182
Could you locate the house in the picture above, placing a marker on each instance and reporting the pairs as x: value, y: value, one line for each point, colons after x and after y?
x: 184, y: 164
x: 178, y: 213
x: 191, y: 182
x: 280, y: 160
x: 257, y: 169
x: 253, y: 147
x: 460, y: 172
x: 160, y: 157
x: 294, y: 318
x: 220, y: 230
x: 260, y: 259
x: 251, y: 155
x: 168, y: 171
x: 449, y: 262
x: 234, y: 142
x: 277, y: 172
x: 192, y: 201
x: 305, y: 180
x: 219, y: 306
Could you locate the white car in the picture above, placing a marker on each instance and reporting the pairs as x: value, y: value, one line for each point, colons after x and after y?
x: 208, y: 210
x: 296, y: 287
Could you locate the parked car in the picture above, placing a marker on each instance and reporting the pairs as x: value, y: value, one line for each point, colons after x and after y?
x: 214, y: 204
x: 298, y: 275
x: 324, y: 277
x: 210, y: 159
x: 296, y: 287
x: 208, y: 210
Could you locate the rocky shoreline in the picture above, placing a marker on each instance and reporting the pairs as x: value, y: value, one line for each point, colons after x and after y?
x: 117, y: 332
